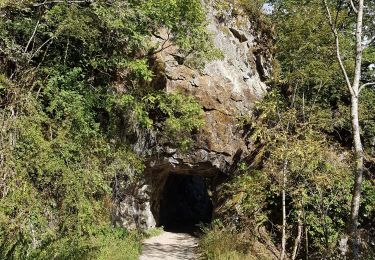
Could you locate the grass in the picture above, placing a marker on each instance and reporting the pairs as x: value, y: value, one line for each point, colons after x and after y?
x: 221, y: 244
x: 153, y: 232
x: 116, y: 247
x: 119, y: 246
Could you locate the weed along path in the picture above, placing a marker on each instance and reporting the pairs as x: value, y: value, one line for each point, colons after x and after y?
x: 170, y: 246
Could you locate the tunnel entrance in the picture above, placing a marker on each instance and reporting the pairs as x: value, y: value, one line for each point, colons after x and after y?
x: 184, y: 203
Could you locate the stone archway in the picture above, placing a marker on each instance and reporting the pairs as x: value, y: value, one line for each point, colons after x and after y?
x: 173, y: 195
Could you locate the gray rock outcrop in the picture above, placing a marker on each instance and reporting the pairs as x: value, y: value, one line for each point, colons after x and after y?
x: 227, y: 89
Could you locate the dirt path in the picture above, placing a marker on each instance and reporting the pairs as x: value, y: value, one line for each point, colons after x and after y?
x: 170, y: 246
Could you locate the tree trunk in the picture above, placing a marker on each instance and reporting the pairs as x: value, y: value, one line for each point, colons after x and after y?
x: 357, y: 143
x: 283, y: 195
x: 354, y: 89
x: 297, y: 241
x: 306, y: 242
x: 358, y: 151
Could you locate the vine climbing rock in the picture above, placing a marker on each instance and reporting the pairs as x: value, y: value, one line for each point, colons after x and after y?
x: 170, y: 246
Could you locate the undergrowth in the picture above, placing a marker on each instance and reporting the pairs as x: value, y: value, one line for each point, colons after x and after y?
x: 105, y: 244
x: 116, y: 247
x: 153, y: 232
x: 219, y: 242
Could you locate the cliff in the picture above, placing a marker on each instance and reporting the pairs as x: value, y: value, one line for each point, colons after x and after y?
x: 227, y: 89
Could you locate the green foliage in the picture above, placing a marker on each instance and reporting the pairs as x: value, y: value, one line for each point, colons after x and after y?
x: 301, y: 131
x: 220, y: 243
x: 367, y: 120
x: 309, y: 71
x: 117, y: 245
x: 306, y: 52
x: 369, y: 202
x: 152, y: 232
x: 247, y: 195
x: 74, y: 86
x: 180, y: 115
x: 311, y: 79
x: 172, y: 116
x: 106, y: 243
x: 318, y: 181
x: 304, y: 126
x: 290, y: 143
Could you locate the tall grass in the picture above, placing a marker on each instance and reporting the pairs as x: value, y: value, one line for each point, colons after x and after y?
x: 223, y: 244
x: 219, y: 245
x: 119, y: 248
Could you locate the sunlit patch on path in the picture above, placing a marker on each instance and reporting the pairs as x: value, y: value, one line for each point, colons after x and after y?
x: 170, y: 246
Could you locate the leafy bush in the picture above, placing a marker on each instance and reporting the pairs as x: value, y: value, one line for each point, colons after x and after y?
x: 106, y: 243
x: 72, y: 73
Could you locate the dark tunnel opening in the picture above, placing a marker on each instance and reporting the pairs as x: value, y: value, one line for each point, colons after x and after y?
x: 184, y: 203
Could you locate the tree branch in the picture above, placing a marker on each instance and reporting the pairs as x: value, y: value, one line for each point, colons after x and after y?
x: 369, y: 42
x: 41, y: 46
x: 32, y: 37
x: 366, y: 85
x: 338, y: 54
x: 338, y: 8
x: 353, y: 7
x: 163, y: 46
x: 359, y: 48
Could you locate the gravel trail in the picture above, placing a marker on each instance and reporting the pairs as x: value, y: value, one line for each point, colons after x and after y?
x: 170, y: 246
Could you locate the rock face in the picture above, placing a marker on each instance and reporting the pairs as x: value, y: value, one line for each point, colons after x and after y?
x: 227, y: 89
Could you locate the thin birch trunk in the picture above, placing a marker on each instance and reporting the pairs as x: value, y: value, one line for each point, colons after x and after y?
x: 356, y: 197
x: 357, y: 143
x: 306, y: 243
x: 354, y: 89
x: 297, y: 241
x: 283, y: 196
